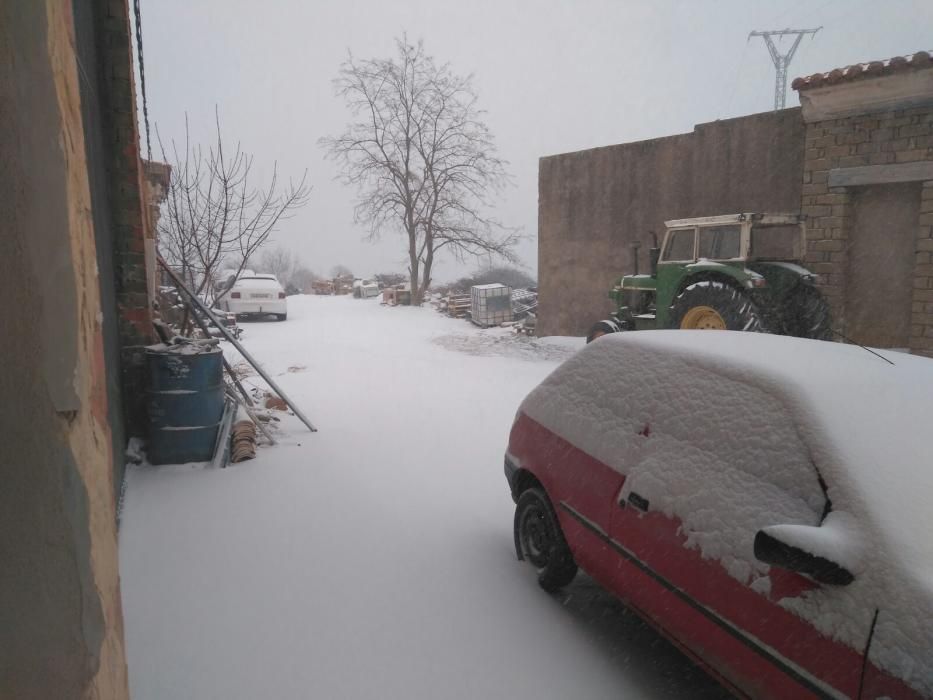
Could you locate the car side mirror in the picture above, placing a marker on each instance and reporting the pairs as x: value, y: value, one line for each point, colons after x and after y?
x: 823, y: 553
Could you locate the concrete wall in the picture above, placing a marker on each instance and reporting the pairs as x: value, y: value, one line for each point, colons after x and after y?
x: 593, y: 204
x: 61, y: 628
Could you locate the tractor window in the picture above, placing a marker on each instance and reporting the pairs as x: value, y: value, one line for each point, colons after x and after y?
x: 781, y: 242
x: 680, y: 245
x: 720, y: 242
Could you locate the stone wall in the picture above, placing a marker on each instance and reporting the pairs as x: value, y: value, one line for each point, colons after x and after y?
x: 593, y: 204
x: 849, y: 154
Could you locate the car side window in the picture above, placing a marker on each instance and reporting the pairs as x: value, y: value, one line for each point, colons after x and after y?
x: 680, y: 245
x: 720, y: 242
x: 723, y: 456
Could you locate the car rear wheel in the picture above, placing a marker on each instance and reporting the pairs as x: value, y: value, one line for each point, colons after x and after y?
x: 281, y: 317
x: 538, y: 539
x: 714, y: 305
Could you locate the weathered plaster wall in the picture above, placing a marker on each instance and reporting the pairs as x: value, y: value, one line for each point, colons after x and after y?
x: 61, y: 629
x: 593, y: 204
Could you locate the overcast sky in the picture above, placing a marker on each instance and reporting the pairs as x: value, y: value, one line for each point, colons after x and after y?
x: 552, y: 76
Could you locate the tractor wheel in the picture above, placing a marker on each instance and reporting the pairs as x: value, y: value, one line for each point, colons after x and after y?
x: 601, y: 328
x: 712, y: 305
x: 805, y: 314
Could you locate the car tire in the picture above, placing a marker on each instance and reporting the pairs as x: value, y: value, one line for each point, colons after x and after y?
x: 281, y: 317
x: 715, y: 305
x: 538, y: 538
x: 805, y: 314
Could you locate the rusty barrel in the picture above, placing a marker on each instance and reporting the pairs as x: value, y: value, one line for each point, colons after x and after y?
x: 186, y: 402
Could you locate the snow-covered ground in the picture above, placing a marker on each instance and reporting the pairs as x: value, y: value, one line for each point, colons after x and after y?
x: 373, y: 559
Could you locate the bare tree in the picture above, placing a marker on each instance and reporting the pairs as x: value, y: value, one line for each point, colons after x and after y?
x: 341, y: 271
x: 214, y: 214
x: 278, y: 261
x: 421, y: 157
x: 389, y: 279
x: 288, y: 268
x: 510, y: 276
x: 302, y: 278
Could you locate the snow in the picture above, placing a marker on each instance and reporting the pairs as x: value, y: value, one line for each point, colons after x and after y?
x: 735, y: 419
x: 834, y: 540
x: 196, y: 348
x: 705, y: 262
x: 792, y: 267
x: 373, y: 559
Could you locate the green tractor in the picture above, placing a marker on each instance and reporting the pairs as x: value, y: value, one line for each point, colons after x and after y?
x: 738, y: 272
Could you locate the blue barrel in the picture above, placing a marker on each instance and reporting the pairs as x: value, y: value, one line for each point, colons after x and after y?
x: 186, y: 402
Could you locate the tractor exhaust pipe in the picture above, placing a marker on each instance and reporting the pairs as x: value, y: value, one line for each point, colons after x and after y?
x: 654, y: 253
x: 635, y: 246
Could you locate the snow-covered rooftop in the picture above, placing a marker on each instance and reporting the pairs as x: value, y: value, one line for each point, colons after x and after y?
x: 869, y: 69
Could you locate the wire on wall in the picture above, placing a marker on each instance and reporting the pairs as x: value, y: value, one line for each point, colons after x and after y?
x: 142, y: 74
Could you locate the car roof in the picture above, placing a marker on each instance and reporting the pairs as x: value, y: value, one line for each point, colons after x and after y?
x: 866, y: 420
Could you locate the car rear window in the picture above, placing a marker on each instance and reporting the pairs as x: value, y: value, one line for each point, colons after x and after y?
x: 257, y: 281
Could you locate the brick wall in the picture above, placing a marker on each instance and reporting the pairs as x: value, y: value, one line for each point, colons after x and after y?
x: 889, y: 138
x: 125, y: 187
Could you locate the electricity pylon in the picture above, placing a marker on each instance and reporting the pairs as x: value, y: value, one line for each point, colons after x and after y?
x: 781, y: 62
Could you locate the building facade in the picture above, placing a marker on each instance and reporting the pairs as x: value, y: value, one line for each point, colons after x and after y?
x: 868, y: 195
x: 76, y: 313
x: 856, y: 158
x: 593, y: 205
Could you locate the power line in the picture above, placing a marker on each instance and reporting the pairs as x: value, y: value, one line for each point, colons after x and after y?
x: 782, y: 61
x: 142, y: 74
x: 735, y: 82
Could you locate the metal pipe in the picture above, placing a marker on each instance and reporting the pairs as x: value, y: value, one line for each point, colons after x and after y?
x: 229, y: 336
x: 207, y: 334
x: 223, y: 435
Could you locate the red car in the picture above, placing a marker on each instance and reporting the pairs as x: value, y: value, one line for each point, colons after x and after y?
x: 764, y: 501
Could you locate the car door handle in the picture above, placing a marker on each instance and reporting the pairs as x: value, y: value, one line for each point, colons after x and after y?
x: 638, y: 501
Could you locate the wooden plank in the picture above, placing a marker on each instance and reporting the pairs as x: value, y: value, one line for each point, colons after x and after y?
x: 881, y: 174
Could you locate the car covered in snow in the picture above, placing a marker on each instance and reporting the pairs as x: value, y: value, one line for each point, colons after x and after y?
x: 254, y: 294
x: 763, y: 500
x: 365, y: 289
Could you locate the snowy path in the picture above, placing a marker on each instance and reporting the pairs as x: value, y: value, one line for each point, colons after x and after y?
x: 373, y: 559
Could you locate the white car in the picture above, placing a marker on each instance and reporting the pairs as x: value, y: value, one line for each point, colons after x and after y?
x: 255, y: 295
x: 364, y: 289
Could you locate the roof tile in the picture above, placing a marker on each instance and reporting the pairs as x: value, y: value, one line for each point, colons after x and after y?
x: 870, y: 69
